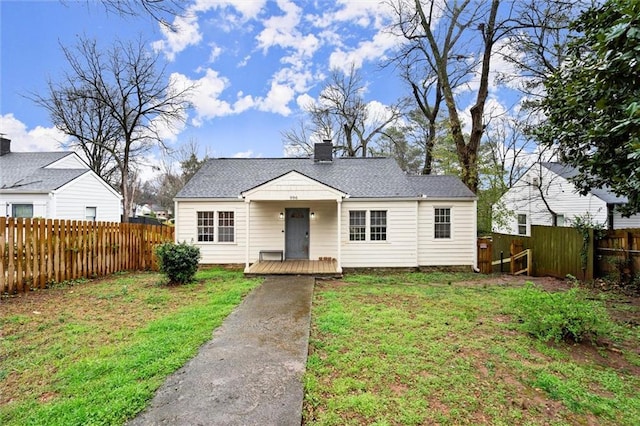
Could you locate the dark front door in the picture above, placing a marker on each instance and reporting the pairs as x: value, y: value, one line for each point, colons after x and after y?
x: 296, y: 234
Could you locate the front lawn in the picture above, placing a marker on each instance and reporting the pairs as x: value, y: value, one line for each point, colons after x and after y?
x: 95, y: 352
x: 413, y: 349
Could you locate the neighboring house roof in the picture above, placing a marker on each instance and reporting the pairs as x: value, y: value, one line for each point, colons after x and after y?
x: 568, y: 172
x: 370, y: 177
x: 27, y: 172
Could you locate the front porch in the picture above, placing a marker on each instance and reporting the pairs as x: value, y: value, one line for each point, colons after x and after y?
x: 320, y: 268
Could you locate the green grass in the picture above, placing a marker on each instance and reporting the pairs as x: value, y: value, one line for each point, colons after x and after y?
x: 95, y: 353
x: 413, y: 349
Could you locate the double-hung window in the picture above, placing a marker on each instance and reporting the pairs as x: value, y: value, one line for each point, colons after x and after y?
x: 367, y: 225
x: 378, y: 228
x: 226, y: 230
x: 206, y: 226
x: 442, y: 222
x: 357, y: 225
x: 216, y: 226
x: 522, y: 224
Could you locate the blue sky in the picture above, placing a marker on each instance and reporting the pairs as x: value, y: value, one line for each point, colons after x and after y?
x: 255, y: 63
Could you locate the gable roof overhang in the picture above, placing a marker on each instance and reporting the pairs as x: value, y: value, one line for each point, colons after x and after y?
x: 293, y: 185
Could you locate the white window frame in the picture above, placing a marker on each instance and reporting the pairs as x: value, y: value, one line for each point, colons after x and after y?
x: 519, y: 224
x: 13, y: 209
x: 359, y: 226
x: 212, y: 226
x: 381, y: 229
x: 219, y: 226
x: 368, y: 225
x: 95, y: 213
x: 436, y: 223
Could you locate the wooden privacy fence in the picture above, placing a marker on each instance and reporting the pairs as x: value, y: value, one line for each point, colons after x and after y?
x: 619, y: 253
x: 559, y: 251
x: 36, y: 252
x: 555, y: 251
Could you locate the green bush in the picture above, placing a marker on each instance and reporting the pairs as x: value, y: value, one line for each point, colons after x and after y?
x: 565, y: 315
x: 179, y: 262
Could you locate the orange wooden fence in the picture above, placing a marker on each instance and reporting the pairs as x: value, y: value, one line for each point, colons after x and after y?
x: 37, y: 252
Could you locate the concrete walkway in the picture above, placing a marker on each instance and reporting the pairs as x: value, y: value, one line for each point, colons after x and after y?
x: 250, y: 372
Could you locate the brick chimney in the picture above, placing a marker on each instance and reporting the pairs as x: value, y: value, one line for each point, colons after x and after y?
x: 323, y: 151
x: 5, y: 146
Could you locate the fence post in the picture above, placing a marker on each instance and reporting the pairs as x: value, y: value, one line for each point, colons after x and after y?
x: 588, y: 273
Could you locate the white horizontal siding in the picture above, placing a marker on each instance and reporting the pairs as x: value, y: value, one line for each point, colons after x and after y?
x: 399, y: 250
x: 71, y: 161
x: 620, y: 222
x: 460, y: 249
x: 41, y: 204
x: 186, y: 230
x: 293, y: 186
x: 87, y: 190
x: 560, y: 194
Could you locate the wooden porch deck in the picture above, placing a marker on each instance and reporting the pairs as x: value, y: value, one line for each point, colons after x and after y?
x: 325, y: 268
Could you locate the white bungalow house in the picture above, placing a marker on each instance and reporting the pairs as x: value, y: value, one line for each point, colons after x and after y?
x: 545, y: 196
x: 53, y: 185
x: 362, y: 212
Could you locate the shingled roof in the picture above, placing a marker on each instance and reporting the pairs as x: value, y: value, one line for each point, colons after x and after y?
x: 26, y: 172
x: 568, y: 172
x: 358, y: 177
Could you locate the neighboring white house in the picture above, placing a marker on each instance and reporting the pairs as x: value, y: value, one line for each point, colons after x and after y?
x: 53, y: 185
x: 545, y: 193
x: 363, y: 212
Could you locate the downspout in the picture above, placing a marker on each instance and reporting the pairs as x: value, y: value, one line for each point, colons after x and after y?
x: 247, y: 233
x: 475, y: 245
x: 339, y: 260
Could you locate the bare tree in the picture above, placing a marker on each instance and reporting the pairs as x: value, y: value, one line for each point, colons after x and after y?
x: 93, y: 130
x: 158, y: 10
x: 126, y: 83
x: 343, y: 116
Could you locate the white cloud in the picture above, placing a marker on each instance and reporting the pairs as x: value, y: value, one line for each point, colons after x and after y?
x: 184, y: 32
x: 37, y: 139
x: 206, y: 95
x: 369, y: 50
x: 216, y: 51
x: 277, y: 99
x: 244, y: 154
x: 304, y: 101
x: 361, y: 13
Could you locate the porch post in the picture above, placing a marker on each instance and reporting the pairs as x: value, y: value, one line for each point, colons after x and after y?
x: 246, y: 237
x: 339, y: 259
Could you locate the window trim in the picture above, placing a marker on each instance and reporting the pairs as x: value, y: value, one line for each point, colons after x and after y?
x: 95, y: 212
x: 362, y: 227
x: 13, y: 210
x: 367, y: 227
x: 449, y: 224
x: 232, y: 226
x: 525, y: 224
x: 213, y: 226
x: 382, y: 232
